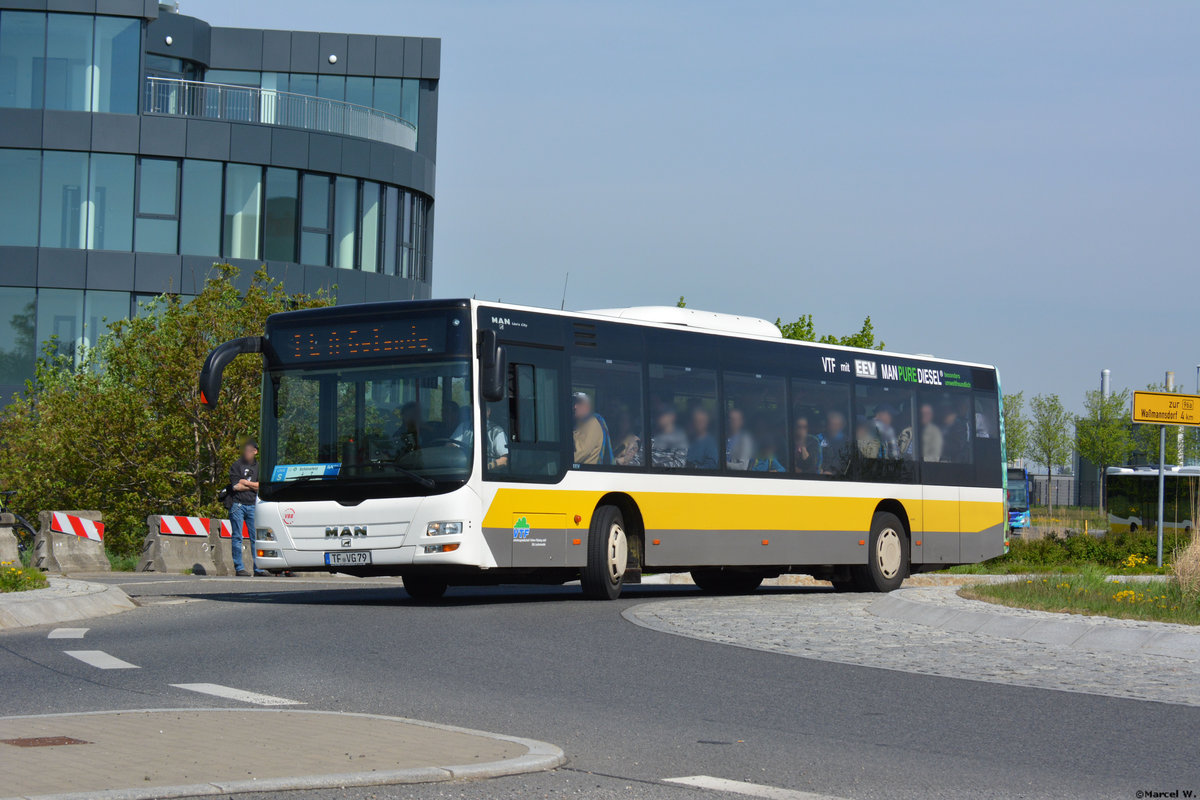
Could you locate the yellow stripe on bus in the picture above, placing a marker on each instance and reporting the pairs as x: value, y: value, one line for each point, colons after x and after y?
x: 710, y: 512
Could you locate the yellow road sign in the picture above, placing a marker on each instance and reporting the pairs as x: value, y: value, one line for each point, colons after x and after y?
x: 1165, y: 408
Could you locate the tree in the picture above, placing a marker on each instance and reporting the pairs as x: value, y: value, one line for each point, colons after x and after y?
x: 681, y: 303
x: 1050, y: 437
x: 123, y: 431
x: 1103, y: 433
x: 804, y: 330
x: 1016, y: 427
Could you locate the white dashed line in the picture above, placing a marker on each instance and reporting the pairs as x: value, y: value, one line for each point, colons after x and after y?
x: 67, y: 633
x: 747, y: 789
x: 229, y: 693
x: 100, y: 659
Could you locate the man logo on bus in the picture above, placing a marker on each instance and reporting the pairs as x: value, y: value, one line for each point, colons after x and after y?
x: 521, y: 529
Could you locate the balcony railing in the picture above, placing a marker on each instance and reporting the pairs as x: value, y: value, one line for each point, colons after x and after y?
x: 176, y: 97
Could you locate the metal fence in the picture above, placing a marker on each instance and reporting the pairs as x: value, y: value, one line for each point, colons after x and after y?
x: 176, y: 97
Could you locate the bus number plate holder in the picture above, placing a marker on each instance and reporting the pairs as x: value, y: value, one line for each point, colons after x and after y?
x: 353, y: 558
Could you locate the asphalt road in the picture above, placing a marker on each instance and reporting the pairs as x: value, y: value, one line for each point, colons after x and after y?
x: 631, y: 707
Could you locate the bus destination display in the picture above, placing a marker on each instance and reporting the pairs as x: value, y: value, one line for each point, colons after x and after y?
x: 352, y: 340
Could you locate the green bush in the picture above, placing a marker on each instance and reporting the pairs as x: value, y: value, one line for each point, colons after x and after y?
x: 1078, y: 551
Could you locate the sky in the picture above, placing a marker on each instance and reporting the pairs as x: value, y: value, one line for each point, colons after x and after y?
x: 1016, y: 183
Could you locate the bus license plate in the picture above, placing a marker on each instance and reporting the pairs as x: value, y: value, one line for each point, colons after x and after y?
x: 354, y: 558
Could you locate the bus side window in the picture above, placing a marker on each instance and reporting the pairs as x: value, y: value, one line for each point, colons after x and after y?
x: 608, y: 427
x: 987, y: 439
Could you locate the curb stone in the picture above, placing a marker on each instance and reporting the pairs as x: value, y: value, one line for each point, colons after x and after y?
x: 541, y: 756
x: 1150, y: 638
x: 65, y: 600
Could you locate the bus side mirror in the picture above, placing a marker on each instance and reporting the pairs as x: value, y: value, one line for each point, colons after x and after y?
x: 493, y: 367
x: 218, y: 359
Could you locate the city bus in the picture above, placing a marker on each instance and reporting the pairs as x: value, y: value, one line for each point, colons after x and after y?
x: 458, y: 442
x: 1018, y: 500
x: 1131, y: 497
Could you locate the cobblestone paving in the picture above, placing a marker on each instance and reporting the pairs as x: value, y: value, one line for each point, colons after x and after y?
x: 839, y: 627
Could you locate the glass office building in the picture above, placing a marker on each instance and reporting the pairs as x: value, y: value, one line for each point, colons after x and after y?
x: 139, y: 146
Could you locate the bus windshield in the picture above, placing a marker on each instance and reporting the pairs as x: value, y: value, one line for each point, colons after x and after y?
x: 368, y: 431
x: 1018, y: 498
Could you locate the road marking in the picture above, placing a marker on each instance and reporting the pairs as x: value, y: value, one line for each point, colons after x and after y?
x: 229, y: 693
x: 67, y: 633
x: 748, y: 789
x: 100, y: 659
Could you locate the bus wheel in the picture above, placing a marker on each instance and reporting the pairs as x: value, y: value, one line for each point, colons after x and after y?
x: 422, y: 588
x: 888, y: 548
x: 607, y: 556
x: 722, y: 581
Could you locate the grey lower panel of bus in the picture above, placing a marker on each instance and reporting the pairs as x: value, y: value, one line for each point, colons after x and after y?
x: 678, y: 548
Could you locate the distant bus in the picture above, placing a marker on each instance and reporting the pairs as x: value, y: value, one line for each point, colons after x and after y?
x: 1132, y: 498
x: 456, y: 442
x: 1018, y: 499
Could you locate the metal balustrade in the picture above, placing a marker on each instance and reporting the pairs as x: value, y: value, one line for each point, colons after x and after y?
x: 177, y: 97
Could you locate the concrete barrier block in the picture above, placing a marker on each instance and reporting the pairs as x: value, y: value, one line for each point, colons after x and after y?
x: 220, y: 547
x: 66, y: 553
x: 164, y: 551
x: 8, y: 544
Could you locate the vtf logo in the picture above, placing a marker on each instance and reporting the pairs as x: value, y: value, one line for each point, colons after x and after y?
x: 521, y: 529
x: 335, y: 532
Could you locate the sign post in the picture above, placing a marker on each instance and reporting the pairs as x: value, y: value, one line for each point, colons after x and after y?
x: 1163, y: 409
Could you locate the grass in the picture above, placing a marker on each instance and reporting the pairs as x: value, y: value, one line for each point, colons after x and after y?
x: 121, y: 563
x: 14, y: 578
x: 1094, y: 593
x: 1129, y: 553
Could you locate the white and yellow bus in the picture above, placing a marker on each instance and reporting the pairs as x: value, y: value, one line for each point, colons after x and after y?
x: 459, y: 442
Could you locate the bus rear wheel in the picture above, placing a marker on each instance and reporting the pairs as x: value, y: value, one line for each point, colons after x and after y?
x: 607, y: 556
x: 888, y: 553
x: 725, y: 581
x: 423, y: 588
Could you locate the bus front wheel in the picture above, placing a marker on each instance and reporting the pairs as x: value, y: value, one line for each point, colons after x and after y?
x: 607, y: 555
x: 888, y: 554
x: 423, y: 588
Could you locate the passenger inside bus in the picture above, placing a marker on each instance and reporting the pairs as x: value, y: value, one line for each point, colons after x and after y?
x: 702, y: 451
x: 668, y: 444
x: 807, y: 456
x: 739, y: 446
x: 627, y: 444
x: 833, y: 443
x: 592, y: 442
x: 766, y: 457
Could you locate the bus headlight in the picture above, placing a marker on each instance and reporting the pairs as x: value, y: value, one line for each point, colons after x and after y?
x: 264, y: 535
x: 443, y: 529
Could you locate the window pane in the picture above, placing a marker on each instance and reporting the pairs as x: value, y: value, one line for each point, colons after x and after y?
x: 344, y: 213
x: 331, y: 87
x: 60, y: 314
x: 272, y: 108
x: 314, y: 249
x: 68, y: 62
x: 756, y: 425
x: 233, y: 77
x: 279, y: 232
x: 102, y: 309
x: 369, y: 248
x: 391, y: 211
x: 64, y: 186
x: 316, y: 202
x: 153, y: 235
x: 302, y: 83
x: 118, y: 46
x: 410, y: 100
x: 22, y: 47
x: 158, y: 188
x: 389, y: 94
x: 18, y: 347
x: 682, y: 405
x: 884, y: 433
x: 358, y: 91
x: 243, y: 199
x: 200, y: 209
x: 19, y: 200
x: 110, y: 201
x: 826, y: 407
x: 607, y: 401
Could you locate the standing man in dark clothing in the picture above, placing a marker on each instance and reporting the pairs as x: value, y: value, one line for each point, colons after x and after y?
x: 243, y: 485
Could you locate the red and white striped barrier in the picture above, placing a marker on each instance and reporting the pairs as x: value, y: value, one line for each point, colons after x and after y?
x: 183, y: 526
x: 227, y: 530
x: 86, y: 528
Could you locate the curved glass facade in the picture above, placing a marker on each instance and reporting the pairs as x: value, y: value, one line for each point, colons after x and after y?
x: 107, y: 201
